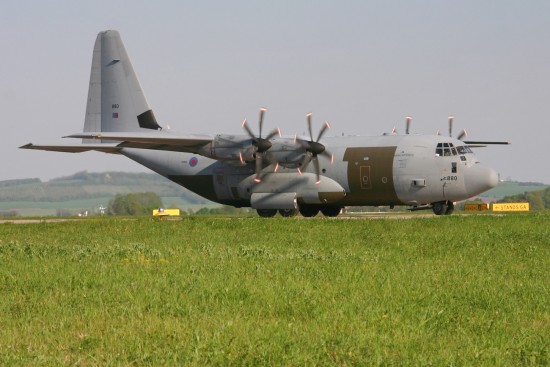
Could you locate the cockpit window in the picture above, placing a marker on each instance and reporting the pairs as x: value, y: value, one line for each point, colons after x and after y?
x: 448, y: 149
x: 463, y: 149
x: 439, y: 150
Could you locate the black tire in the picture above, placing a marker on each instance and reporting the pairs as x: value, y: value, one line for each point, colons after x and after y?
x: 309, y: 210
x: 331, y: 211
x: 439, y: 207
x: 288, y: 212
x: 266, y: 213
x: 450, y: 208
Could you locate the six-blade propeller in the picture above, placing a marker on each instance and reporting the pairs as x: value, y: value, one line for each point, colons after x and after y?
x: 313, y: 148
x: 261, y: 145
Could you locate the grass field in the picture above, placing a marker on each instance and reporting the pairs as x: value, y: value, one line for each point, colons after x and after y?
x: 455, y: 291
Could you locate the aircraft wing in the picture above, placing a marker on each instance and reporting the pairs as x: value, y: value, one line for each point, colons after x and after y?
x: 75, y: 148
x: 155, y: 141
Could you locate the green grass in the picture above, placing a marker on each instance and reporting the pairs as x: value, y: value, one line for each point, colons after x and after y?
x: 458, y: 290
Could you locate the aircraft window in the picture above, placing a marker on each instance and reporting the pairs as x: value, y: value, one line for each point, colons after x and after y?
x: 439, y: 150
x: 463, y: 149
x: 453, y: 150
x: 446, y: 150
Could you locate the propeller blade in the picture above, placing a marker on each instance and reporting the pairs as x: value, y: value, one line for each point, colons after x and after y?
x: 250, y: 133
x: 323, y: 129
x: 451, y: 125
x: 275, y: 131
x: 462, y: 135
x: 258, y: 167
x: 408, y: 123
x: 262, y: 112
x: 307, y: 158
x: 317, y: 170
x: 309, y: 125
x: 329, y: 155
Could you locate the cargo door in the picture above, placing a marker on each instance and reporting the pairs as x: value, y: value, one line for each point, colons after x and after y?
x: 370, y: 176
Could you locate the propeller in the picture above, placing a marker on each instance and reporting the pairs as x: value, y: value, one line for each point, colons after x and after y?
x: 462, y: 134
x: 408, y: 123
x: 314, y: 148
x: 261, y: 145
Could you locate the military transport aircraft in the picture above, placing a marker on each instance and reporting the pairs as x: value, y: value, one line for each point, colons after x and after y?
x: 271, y: 173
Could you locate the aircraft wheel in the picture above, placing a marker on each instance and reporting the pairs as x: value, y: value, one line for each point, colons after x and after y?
x: 288, y: 212
x: 309, y: 210
x: 266, y: 213
x: 331, y: 211
x: 439, y: 208
x: 450, y: 208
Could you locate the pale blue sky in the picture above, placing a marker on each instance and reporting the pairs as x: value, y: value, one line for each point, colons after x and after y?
x: 362, y: 65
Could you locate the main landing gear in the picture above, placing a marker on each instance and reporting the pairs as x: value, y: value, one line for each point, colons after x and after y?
x: 307, y: 210
x: 443, y: 207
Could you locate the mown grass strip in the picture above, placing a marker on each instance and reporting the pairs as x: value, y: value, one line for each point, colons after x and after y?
x: 459, y: 290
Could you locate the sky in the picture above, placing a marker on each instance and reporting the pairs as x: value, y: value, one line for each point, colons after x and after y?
x: 362, y: 65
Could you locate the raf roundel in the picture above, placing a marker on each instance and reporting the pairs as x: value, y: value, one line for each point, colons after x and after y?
x: 193, y: 161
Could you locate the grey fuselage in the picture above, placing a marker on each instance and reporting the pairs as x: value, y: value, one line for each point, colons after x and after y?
x: 389, y: 170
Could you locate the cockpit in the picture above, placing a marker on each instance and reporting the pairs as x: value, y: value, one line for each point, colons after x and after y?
x: 448, y: 150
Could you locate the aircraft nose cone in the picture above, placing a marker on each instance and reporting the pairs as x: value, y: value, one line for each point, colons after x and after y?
x: 479, y: 179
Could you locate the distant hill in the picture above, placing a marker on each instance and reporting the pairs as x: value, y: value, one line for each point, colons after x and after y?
x: 86, y: 191
x: 509, y: 188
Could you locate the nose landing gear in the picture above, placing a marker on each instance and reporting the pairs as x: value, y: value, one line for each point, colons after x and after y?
x: 443, y: 207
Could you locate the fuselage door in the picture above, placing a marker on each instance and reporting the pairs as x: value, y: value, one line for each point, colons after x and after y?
x: 370, y: 175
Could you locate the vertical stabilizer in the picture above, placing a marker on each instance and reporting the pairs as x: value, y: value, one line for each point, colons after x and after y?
x: 116, y: 102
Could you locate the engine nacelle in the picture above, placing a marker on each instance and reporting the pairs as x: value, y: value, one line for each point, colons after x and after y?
x: 285, y: 200
x: 286, y: 152
x: 283, y: 187
x: 229, y: 148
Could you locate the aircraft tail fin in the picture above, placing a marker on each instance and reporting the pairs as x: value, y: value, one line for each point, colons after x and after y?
x: 116, y: 102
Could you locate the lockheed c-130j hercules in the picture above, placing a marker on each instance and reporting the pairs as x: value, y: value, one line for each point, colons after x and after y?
x: 271, y: 173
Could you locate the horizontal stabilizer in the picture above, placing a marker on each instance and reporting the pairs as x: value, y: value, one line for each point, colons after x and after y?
x: 76, y: 148
x: 482, y: 144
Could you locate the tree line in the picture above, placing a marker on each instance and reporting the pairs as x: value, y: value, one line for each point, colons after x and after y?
x: 538, y: 200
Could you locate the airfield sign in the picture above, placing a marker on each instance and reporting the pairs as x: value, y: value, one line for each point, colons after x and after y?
x: 511, y: 207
